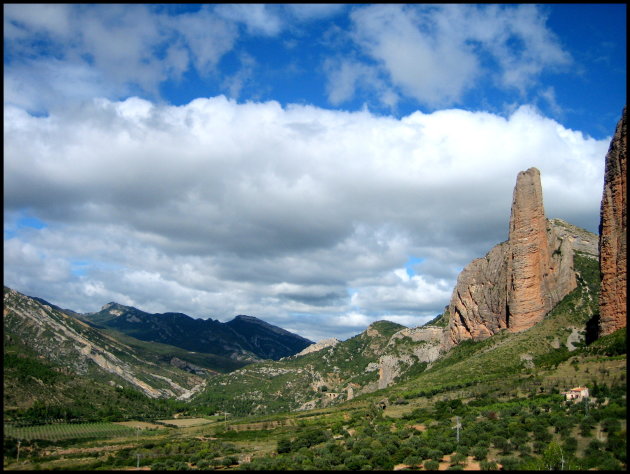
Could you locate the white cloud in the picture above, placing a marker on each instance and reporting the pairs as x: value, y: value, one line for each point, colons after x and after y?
x: 437, y: 53
x: 56, y: 54
x: 22, y: 19
x: 217, y: 208
x: 258, y: 18
x: 206, y: 36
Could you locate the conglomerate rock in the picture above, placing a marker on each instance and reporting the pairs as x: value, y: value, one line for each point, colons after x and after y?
x: 519, y: 280
x: 612, y: 240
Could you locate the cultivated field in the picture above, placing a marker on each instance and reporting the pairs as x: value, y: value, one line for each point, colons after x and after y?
x: 63, y: 431
x: 186, y: 422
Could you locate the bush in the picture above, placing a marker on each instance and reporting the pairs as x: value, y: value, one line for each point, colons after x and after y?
x: 431, y: 465
x: 479, y: 452
x: 509, y: 463
x: 284, y: 445
x: 488, y: 466
x: 455, y: 467
x: 457, y: 458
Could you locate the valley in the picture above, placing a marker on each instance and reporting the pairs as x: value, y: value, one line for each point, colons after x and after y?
x: 506, y: 391
x: 520, y: 372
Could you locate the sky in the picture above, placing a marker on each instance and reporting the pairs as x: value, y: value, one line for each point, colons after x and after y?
x: 320, y: 167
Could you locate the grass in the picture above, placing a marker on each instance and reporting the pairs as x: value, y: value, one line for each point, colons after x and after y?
x: 66, y: 431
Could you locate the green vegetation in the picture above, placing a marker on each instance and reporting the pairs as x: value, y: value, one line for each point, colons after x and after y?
x: 611, y: 345
x: 441, y: 320
x: 165, y: 352
x: 503, y: 396
x: 66, y: 431
x: 516, y: 433
x: 23, y: 367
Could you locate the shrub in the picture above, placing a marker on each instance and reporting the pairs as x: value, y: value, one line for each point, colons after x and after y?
x: 431, y: 465
x: 457, y: 458
x: 455, y: 467
x: 488, y: 466
x: 509, y: 463
x: 479, y: 452
x: 284, y: 445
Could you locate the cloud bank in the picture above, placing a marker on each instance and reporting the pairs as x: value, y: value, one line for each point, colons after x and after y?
x: 316, y: 220
x: 384, y: 54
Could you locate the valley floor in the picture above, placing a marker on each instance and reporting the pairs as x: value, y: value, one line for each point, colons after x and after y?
x: 517, y: 427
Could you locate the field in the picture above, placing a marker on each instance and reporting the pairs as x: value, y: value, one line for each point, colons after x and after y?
x: 64, y: 431
x: 143, y: 425
x: 186, y: 422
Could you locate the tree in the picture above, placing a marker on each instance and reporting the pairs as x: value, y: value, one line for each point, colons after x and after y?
x: 412, y: 460
x: 488, y: 466
x: 480, y: 453
x: 284, y: 445
x: 554, y: 458
x: 431, y: 465
x: 610, y: 425
x: 509, y: 463
x: 356, y: 462
x: 458, y: 458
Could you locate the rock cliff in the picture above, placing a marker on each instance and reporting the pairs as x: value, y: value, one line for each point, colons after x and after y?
x: 522, y: 279
x: 407, y: 347
x: 318, y: 346
x: 539, y: 272
x: 612, y: 240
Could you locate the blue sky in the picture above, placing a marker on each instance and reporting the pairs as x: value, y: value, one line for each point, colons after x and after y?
x: 319, y: 166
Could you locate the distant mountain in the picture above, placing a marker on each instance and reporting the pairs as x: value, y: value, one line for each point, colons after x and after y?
x: 41, y: 337
x: 245, y: 338
x: 266, y: 341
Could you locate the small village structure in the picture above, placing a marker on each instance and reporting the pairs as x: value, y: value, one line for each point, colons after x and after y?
x: 577, y: 394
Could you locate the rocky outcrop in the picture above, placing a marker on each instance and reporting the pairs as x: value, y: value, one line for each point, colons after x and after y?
x: 478, y: 304
x: 318, y: 346
x: 407, y: 347
x: 522, y: 279
x: 612, y: 239
x: 536, y: 281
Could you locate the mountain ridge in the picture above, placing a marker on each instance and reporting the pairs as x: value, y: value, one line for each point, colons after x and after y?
x: 244, y: 338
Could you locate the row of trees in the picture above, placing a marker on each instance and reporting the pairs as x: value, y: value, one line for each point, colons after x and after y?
x: 535, y: 432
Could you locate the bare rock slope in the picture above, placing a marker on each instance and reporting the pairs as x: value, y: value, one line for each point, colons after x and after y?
x: 522, y: 279
x: 612, y: 240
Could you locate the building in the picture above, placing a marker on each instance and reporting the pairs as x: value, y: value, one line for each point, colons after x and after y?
x: 576, y: 394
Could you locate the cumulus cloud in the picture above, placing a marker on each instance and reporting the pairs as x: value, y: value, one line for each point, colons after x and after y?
x: 303, y: 216
x: 57, y: 53
x: 437, y: 53
x: 258, y: 18
x: 433, y: 54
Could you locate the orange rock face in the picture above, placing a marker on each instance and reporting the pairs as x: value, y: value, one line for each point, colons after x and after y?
x: 518, y: 281
x: 612, y: 236
x: 537, y: 281
x: 529, y: 257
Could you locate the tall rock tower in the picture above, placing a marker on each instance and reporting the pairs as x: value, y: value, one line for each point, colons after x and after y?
x: 520, y: 280
x: 529, y: 255
x: 537, y: 281
x: 612, y: 235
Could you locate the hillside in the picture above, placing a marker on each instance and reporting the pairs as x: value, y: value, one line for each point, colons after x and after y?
x: 504, y: 392
x: 245, y: 338
x: 59, y: 366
